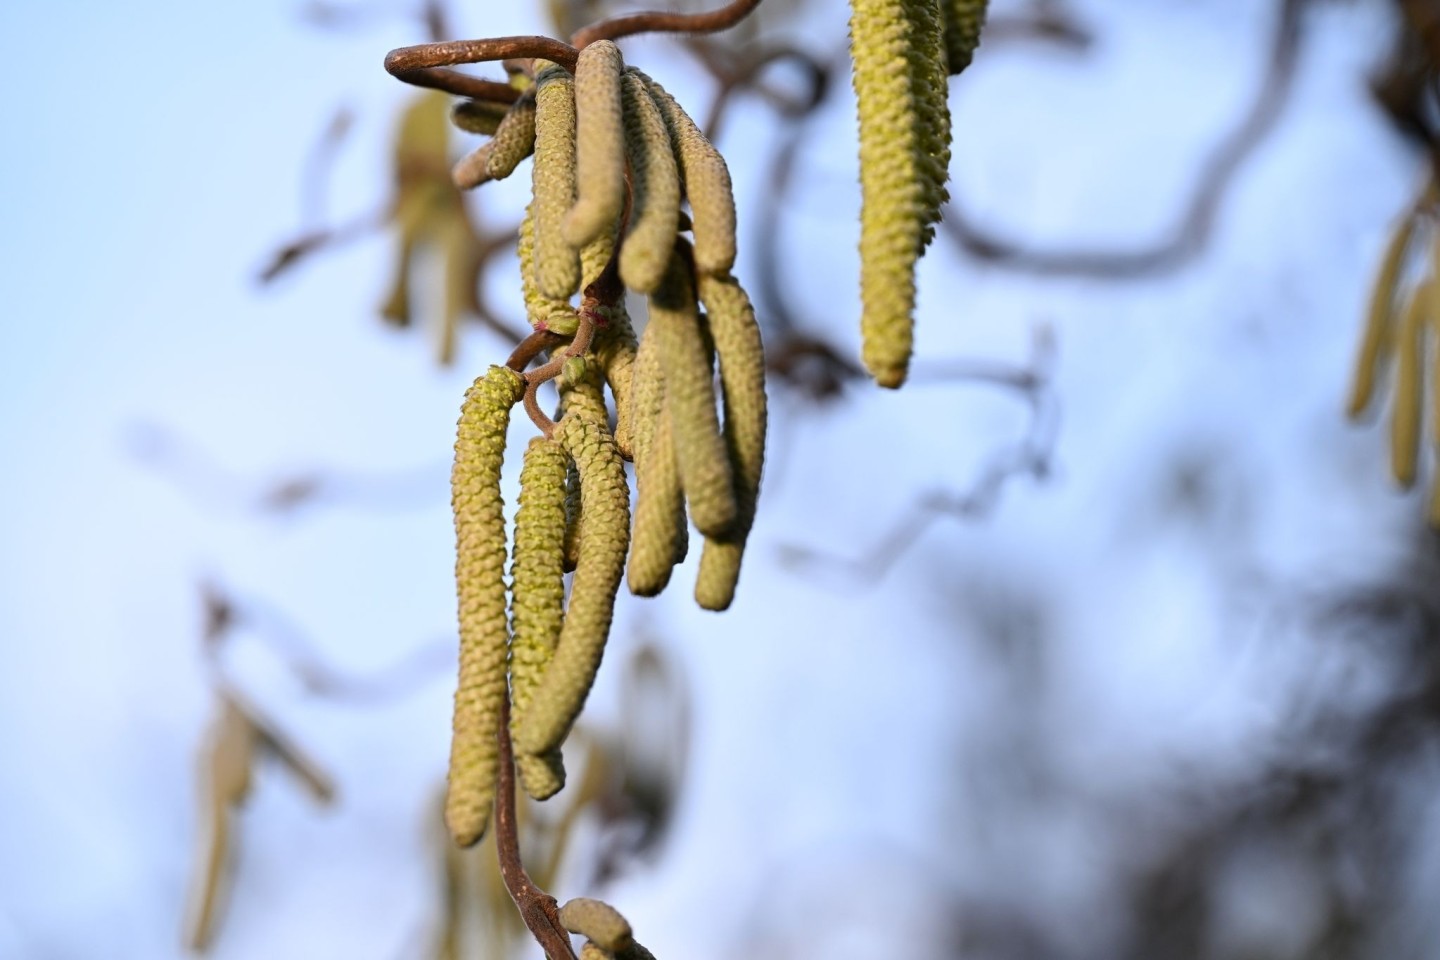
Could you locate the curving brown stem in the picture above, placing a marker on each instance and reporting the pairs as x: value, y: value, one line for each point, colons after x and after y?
x: 659, y: 21
x: 423, y: 63
x: 1192, y: 235
x: 537, y: 908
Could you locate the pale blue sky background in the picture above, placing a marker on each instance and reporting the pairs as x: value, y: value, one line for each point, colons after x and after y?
x: 153, y: 158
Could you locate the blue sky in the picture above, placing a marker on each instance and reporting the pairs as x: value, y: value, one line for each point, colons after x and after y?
x: 154, y: 160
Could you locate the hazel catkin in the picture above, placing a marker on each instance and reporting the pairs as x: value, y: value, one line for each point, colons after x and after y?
x: 893, y: 183
x: 1378, y: 338
x: 558, y: 699
x: 514, y: 140
x: 480, y: 584
x: 600, y: 144
x: 742, y: 377
x: 537, y: 602
x: 557, y: 265
x: 964, y: 19
x: 706, y: 181
x: 596, y: 920
x: 649, y: 240
x: 690, y: 397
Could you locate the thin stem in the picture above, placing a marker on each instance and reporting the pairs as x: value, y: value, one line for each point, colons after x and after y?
x: 658, y: 21
x: 537, y: 908
x: 419, y: 64
x: 460, y: 84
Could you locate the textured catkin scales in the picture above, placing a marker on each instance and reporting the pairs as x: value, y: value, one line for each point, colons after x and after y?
x: 690, y: 398
x: 514, y: 140
x: 893, y: 184
x: 659, y: 539
x: 581, y: 396
x: 600, y: 144
x: 544, y: 313
x: 606, y: 534
x: 742, y: 377
x: 480, y: 584
x: 615, y: 351
x: 706, y: 181
x: 537, y: 604
x: 930, y: 81
x: 655, y: 185
x: 1379, y: 335
x: 557, y: 266
x: 964, y: 19
x: 478, y: 116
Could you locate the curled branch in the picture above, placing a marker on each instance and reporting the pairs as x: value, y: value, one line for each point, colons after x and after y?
x: 658, y: 21
x: 423, y: 64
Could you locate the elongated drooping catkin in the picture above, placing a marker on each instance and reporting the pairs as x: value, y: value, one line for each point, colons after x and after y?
x: 1380, y: 320
x: 514, y: 141
x: 930, y: 82
x: 1410, y: 383
x: 655, y: 186
x: 706, y: 180
x: 690, y: 398
x: 537, y: 605
x: 480, y: 584
x: 964, y: 20
x: 742, y: 378
x: 606, y: 533
x: 659, y: 538
x: 615, y: 351
x: 600, y: 144
x: 581, y: 396
x: 557, y: 265
x: 544, y: 313
x: 893, y: 184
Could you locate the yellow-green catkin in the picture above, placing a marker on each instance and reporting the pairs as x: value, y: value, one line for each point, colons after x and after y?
x: 544, y: 313
x: 964, y: 20
x: 479, y: 116
x: 422, y: 198
x: 591, y: 950
x: 461, y: 248
x: 1410, y: 384
x: 514, y: 140
x: 580, y: 396
x: 537, y: 604
x: 596, y: 920
x: 600, y: 144
x: 893, y: 184
x: 557, y: 266
x: 480, y: 584
x: 1379, y: 333
x: 562, y: 691
x: 932, y: 103
x: 615, y: 350
x: 742, y: 378
x: 655, y: 187
x: 690, y: 397
x: 659, y: 538
x: 706, y: 180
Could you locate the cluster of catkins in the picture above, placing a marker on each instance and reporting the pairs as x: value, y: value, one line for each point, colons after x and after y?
x: 1395, y: 334
x: 614, y: 158
x: 904, y: 51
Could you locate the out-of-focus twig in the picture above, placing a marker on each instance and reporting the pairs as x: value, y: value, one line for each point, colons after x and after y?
x: 1192, y: 235
x: 1029, y: 457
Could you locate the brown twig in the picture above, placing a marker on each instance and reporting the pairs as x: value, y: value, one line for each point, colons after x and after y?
x: 1192, y: 235
x: 1030, y: 456
x: 659, y: 21
x: 423, y: 64
x: 537, y: 908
